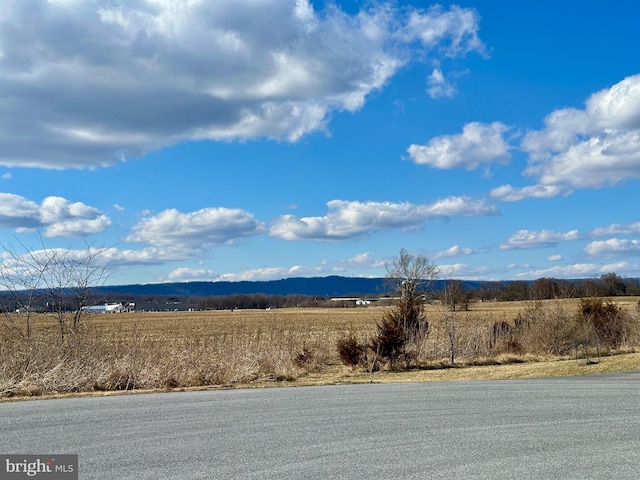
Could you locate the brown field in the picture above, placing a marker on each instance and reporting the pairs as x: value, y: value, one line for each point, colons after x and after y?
x: 169, y: 350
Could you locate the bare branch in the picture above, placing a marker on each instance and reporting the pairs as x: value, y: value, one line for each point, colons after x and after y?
x: 57, y: 280
x: 416, y: 271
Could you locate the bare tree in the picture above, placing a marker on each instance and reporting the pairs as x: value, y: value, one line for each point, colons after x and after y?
x: 406, y: 324
x: 55, y: 280
x: 415, y: 271
x: 21, y: 277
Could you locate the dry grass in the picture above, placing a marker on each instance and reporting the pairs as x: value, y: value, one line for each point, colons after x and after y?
x: 297, y: 346
x: 522, y: 368
x: 170, y: 350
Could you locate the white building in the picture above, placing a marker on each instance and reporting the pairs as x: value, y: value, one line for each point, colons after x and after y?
x: 106, y: 308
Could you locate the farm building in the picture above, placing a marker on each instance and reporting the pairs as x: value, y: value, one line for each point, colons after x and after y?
x: 106, y: 308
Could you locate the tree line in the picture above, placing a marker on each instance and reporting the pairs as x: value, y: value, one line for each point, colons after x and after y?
x: 456, y: 293
x: 453, y: 292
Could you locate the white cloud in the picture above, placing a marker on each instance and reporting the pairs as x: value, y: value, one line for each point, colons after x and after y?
x: 17, y: 263
x: 613, y: 247
x: 459, y: 206
x: 581, y: 270
x: 352, y: 219
x: 56, y: 215
x: 463, y: 271
x: 454, y: 251
x: 617, y: 229
x: 538, y: 239
x: 111, y: 258
x: 548, y: 238
x: 116, y: 258
x: 124, y: 258
x: 185, y: 274
x: 507, y: 193
x: 554, y: 258
x: 78, y: 227
x: 195, y: 231
x: 599, y: 161
x: 150, y: 74
x: 455, y: 31
x: 18, y: 212
x: 439, y: 86
x: 478, y: 143
x: 598, y: 146
x: 67, y: 219
x: 271, y: 273
x: 361, y: 260
x: 365, y: 260
x: 561, y: 131
x: 6, y: 176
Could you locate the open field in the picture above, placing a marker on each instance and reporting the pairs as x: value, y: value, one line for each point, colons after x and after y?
x: 295, y: 346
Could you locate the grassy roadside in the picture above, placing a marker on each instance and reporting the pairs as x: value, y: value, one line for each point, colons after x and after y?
x: 341, y: 375
x: 545, y: 369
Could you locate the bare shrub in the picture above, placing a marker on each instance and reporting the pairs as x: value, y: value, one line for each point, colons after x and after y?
x: 612, y: 324
x: 546, y: 327
x: 351, y: 350
x: 305, y: 357
x: 500, y: 329
x: 473, y: 340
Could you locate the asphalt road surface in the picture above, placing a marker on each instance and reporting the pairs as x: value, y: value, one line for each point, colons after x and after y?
x: 571, y: 428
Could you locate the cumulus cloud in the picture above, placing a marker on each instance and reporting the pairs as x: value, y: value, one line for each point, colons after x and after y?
x: 594, y: 147
x: 507, y: 193
x: 119, y: 258
x: 464, y: 271
x: 614, y: 247
x: 110, y: 258
x: 617, y: 229
x: 56, y: 215
x: 184, y: 274
x: 478, y: 143
x: 580, y: 270
x: 352, y: 219
x: 195, y: 231
x: 18, y: 212
x: 453, y: 31
x: 361, y: 260
x: 271, y: 273
x: 455, y: 251
x: 538, y: 239
x: 599, y: 161
x: 459, y: 206
x: 149, y: 74
x: 549, y: 238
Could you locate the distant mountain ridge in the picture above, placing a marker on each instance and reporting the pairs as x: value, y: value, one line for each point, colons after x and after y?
x: 321, y: 286
x: 331, y: 286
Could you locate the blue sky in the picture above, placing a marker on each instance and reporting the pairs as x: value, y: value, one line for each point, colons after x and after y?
x: 266, y: 139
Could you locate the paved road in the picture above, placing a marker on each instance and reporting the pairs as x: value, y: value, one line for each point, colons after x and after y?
x: 575, y: 428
